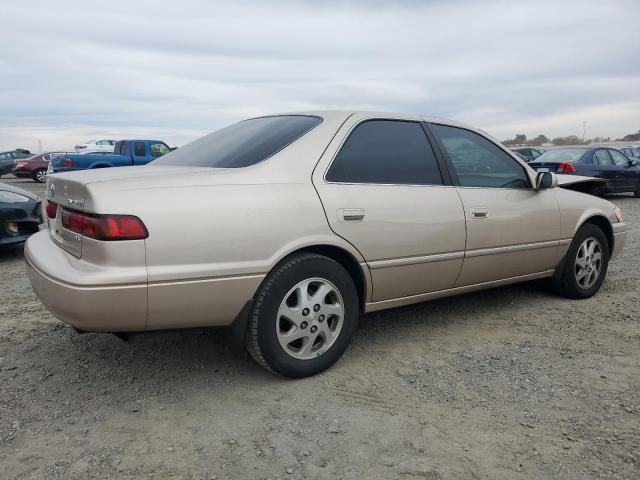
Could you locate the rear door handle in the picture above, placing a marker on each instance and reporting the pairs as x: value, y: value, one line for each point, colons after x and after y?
x: 351, y: 214
x: 479, y: 212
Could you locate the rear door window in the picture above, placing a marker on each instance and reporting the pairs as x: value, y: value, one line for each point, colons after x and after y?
x: 601, y: 157
x: 386, y: 152
x: 478, y: 162
x: 138, y: 149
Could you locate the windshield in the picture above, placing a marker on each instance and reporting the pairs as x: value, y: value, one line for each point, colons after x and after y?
x: 241, y: 144
x: 568, y: 155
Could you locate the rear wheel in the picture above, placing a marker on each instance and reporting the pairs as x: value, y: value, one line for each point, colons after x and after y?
x: 636, y: 194
x: 585, y: 265
x: 304, y: 316
x: 39, y: 175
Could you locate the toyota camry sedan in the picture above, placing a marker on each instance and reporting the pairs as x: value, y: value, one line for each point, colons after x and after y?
x: 289, y: 227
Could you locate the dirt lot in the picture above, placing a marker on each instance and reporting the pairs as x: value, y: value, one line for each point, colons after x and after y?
x: 505, y: 384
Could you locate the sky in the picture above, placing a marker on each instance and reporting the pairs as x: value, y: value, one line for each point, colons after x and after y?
x: 74, y: 70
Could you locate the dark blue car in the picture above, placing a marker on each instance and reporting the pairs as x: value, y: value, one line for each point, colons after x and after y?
x: 621, y: 173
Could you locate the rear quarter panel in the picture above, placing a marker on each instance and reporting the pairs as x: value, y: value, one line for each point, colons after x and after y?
x: 210, y: 246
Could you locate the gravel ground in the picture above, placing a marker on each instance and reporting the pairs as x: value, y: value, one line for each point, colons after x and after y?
x: 503, y: 384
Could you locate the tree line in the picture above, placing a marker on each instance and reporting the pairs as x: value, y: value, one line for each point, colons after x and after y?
x: 521, y: 139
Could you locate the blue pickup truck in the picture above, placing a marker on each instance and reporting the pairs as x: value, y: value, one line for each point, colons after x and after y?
x: 126, y: 153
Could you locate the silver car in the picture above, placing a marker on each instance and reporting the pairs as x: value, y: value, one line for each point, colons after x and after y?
x: 290, y: 226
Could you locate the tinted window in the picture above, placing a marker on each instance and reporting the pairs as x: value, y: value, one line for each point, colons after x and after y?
x: 618, y: 158
x: 386, y: 151
x: 158, y: 149
x: 479, y: 162
x: 242, y: 144
x: 601, y: 157
x: 534, y: 153
x: 138, y: 149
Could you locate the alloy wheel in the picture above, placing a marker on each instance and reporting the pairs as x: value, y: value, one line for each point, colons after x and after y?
x: 588, y: 263
x: 310, y: 318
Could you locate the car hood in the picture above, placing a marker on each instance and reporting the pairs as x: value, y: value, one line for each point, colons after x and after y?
x: 10, y: 188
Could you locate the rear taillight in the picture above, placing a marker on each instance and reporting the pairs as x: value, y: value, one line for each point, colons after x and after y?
x: 52, y: 209
x: 565, y: 167
x: 68, y: 162
x: 104, y: 227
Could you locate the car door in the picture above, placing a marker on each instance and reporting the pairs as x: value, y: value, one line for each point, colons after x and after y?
x: 628, y: 174
x: 605, y: 168
x: 385, y: 192
x: 139, y: 154
x: 512, y: 229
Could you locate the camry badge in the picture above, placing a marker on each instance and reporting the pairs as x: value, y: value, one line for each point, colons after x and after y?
x: 75, y: 203
x: 52, y: 190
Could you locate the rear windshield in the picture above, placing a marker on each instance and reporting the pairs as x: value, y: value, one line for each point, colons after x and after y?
x: 569, y: 155
x: 241, y: 144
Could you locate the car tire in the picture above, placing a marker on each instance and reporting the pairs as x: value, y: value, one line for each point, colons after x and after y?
x: 583, y: 271
x: 319, y: 322
x: 636, y: 194
x: 39, y: 175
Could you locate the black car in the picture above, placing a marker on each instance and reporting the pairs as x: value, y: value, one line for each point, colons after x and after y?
x: 530, y: 153
x: 621, y: 173
x: 20, y: 214
x: 8, y: 159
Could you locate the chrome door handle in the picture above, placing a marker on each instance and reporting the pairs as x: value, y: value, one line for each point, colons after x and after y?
x: 479, y: 212
x: 351, y: 214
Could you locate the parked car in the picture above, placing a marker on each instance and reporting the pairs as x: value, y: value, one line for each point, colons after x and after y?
x: 288, y: 227
x: 621, y: 173
x: 530, y: 153
x: 127, y: 153
x: 92, y: 146
x: 20, y: 214
x: 34, y: 167
x: 631, y: 152
x: 8, y: 159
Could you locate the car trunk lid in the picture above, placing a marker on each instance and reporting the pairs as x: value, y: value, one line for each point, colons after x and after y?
x: 69, y: 191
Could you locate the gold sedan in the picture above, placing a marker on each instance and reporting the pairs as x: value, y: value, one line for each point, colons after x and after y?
x: 290, y: 226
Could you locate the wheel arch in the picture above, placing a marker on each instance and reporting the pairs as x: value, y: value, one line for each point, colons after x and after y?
x: 602, y: 223
x: 357, y: 272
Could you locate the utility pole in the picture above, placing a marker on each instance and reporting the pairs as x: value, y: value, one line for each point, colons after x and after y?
x: 584, y: 130
x: 39, y: 146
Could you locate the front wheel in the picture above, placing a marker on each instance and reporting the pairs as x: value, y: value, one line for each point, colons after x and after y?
x: 585, y: 265
x: 303, y: 317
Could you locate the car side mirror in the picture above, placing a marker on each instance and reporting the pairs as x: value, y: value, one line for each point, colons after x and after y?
x: 633, y: 163
x: 545, y: 180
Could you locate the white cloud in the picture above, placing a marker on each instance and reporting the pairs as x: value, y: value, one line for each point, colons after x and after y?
x: 73, y: 70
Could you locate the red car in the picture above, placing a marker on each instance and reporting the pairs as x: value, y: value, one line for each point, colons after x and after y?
x: 33, y: 167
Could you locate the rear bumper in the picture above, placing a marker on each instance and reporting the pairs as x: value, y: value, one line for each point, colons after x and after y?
x: 619, y: 238
x: 54, y: 276
x: 97, y: 298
